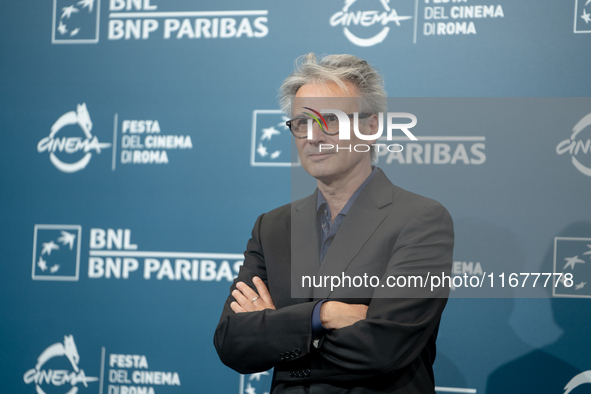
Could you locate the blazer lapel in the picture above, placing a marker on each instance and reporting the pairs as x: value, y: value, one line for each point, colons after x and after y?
x: 357, y: 227
x: 305, y: 249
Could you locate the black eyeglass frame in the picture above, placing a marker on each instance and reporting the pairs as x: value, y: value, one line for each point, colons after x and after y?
x: 288, y: 123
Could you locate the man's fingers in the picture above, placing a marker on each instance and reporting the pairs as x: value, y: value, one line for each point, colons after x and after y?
x: 246, y: 291
x: 242, y: 300
x: 262, y: 289
x: 364, y: 309
x: 244, y: 295
x: 236, y: 307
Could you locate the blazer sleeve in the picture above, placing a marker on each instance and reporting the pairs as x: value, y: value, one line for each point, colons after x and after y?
x: 252, y: 342
x: 396, y: 329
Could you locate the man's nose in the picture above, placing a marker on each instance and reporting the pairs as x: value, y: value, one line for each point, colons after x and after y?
x: 318, y: 136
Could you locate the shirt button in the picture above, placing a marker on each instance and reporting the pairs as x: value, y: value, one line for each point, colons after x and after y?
x: 324, y: 226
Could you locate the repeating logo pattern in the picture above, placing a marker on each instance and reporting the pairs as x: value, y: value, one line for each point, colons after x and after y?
x: 256, y: 383
x: 75, y: 22
x: 271, y: 140
x: 56, y: 252
x: 68, y: 143
x: 573, y: 255
x: 367, y: 27
x: 578, y: 380
x: 582, y: 16
x: 46, y: 372
x: 579, y: 146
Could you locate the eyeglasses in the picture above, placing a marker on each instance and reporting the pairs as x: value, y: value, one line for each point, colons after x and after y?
x: 299, y: 126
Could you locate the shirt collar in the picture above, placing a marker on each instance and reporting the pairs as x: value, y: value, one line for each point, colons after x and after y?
x: 320, y: 201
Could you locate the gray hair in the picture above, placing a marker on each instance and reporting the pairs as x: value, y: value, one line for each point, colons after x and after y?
x: 338, y: 69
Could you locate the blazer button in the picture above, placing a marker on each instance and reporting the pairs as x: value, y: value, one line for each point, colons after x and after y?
x: 282, y: 356
x: 291, y: 374
x: 307, y: 372
x: 292, y: 354
x: 297, y: 352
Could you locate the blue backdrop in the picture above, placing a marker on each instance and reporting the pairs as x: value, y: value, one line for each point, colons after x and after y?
x: 132, y: 175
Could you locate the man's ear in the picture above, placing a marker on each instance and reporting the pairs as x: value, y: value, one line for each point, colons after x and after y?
x: 372, y: 126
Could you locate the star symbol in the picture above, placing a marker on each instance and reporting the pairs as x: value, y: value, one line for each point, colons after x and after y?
x: 269, y: 132
x: 282, y: 123
x: 67, y: 238
x: 275, y: 154
x: 262, y: 150
x: 62, y: 28
x: 87, y: 3
x: 257, y: 376
x: 586, y: 17
x: 249, y: 389
x: 580, y: 285
x: 571, y: 261
x: 42, y: 264
x: 68, y: 11
x: 54, y: 268
x: 74, y: 32
x: 48, y: 247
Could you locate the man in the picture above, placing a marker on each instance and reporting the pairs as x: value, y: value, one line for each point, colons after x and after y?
x: 355, y: 339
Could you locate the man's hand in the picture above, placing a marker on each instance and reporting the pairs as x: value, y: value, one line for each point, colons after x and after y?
x: 244, y: 297
x: 336, y: 314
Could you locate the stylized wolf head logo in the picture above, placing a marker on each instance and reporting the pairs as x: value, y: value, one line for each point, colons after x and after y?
x: 84, y: 118
x: 71, y: 352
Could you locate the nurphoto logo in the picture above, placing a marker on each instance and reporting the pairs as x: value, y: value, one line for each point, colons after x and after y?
x: 339, y: 122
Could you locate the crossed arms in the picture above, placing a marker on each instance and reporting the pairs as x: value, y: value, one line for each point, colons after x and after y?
x: 366, y: 340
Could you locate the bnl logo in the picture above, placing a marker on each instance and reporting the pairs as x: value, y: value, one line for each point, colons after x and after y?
x: 75, y: 22
x: 256, y: 383
x: 272, y: 144
x: 573, y: 255
x: 582, y: 16
x: 56, y: 252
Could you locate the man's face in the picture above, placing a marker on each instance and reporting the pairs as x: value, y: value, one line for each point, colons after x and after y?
x: 328, y: 164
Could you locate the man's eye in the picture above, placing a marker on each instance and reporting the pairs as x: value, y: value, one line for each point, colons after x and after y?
x: 331, y: 119
x: 299, y: 122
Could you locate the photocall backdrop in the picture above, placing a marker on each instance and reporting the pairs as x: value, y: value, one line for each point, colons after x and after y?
x: 142, y: 138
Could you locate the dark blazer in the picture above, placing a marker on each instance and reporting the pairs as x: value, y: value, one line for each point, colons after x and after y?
x: 387, y: 231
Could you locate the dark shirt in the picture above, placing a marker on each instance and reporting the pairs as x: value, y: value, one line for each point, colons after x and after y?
x: 326, y: 233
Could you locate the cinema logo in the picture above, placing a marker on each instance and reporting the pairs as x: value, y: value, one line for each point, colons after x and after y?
x: 113, y: 256
x: 578, y: 146
x: 367, y: 20
x: 68, y: 145
x: 578, y: 380
x: 58, y: 372
x: 50, y: 372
